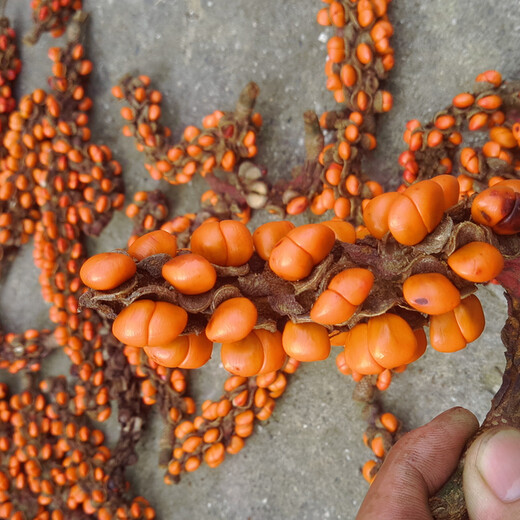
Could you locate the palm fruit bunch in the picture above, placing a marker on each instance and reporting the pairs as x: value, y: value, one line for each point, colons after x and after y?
x: 51, y: 16
x: 291, y: 291
x: 367, y: 281
x: 55, y: 464
x: 359, y: 58
x: 58, y: 186
x: 436, y: 147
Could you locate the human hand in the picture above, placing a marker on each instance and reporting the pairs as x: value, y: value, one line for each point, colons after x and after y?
x: 423, y: 460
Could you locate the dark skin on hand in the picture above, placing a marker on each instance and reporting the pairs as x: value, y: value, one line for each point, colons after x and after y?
x: 423, y: 460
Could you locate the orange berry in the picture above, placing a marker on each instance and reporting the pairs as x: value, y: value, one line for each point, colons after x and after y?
x: 190, y: 273
x: 107, y: 271
x: 431, y: 293
x: 477, y: 262
x: 295, y: 255
x: 227, y: 242
x: 260, y: 352
x: 348, y: 75
x: 268, y: 235
x: 345, y: 292
x: 153, y: 243
x: 343, y: 231
x: 463, y: 100
x: 336, y: 49
x: 470, y: 318
x: 453, y: 330
x: 389, y: 421
x: 357, y: 353
x: 497, y: 207
x: 450, y: 189
x: 149, y: 323
x: 392, y: 342
x: 375, y: 213
x: 306, y: 341
x: 232, y: 320
x: 490, y: 76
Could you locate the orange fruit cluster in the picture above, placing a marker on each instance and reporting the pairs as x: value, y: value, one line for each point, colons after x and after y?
x: 9, y: 70
x: 148, y: 211
x: 432, y: 147
x: 410, y: 215
x: 293, y: 252
x: 51, y: 16
x: 380, y: 435
x: 381, y: 345
x: 55, y: 465
x: 359, y: 58
x: 224, y: 424
x: 224, y: 140
x: 64, y: 185
x: 361, y: 49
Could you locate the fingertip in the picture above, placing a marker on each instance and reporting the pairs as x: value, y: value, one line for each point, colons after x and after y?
x: 459, y: 416
x: 491, y: 475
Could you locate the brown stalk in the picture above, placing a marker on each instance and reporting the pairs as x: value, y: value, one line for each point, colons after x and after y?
x: 449, y: 503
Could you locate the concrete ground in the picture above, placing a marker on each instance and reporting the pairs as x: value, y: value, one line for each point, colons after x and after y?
x: 304, y: 463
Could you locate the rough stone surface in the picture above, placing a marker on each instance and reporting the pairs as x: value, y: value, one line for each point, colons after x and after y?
x: 304, y: 463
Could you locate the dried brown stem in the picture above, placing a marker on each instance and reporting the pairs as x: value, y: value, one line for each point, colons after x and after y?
x: 449, y: 502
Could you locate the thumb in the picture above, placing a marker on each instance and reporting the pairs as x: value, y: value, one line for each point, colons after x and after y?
x: 492, y: 475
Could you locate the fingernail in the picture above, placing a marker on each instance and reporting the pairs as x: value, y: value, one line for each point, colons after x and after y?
x: 498, y: 461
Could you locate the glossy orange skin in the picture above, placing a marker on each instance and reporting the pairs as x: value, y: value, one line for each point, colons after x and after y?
x: 290, y: 261
x: 232, y: 320
x: 153, y: 243
x: 338, y: 340
x: 391, y: 341
x: 226, y: 243
x: 366, y: 471
x: 499, y: 207
x: 422, y: 343
x: 268, y: 235
x: 454, y: 330
x: 357, y: 352
x: 445, y: 334
x: 353, y: 284
x: 428, y: 198
x: 149, y: 323
x: 450, y: 188
x: 431, y: 293
x: 470, y: 317
x: 190, y: 273
x: 107, y: 271
x: 169, y: 355
x: 190, y: 351
x: 345, y: 292
x: 477, y: 262
x: 344, y: 231
x: 411, y: 215
x: 258, y: 353
x: 375, y: 213
x: 405, y: 222
x: 330, y: 308
x: 274, y: 354
x: 199, y: 352
x: 306, y: 341
x: 295, y: 255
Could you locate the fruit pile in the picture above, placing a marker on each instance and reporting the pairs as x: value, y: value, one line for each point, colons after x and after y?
x: 177, y: 303
x: 367, y: 280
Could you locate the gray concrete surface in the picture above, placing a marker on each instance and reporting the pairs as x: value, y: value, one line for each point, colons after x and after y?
x: 304, y: 462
